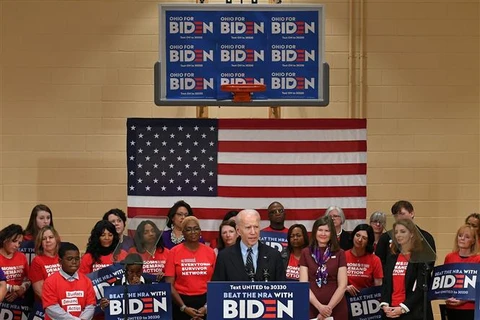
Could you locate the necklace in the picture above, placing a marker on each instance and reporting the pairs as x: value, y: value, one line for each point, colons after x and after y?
x: 176, y: 240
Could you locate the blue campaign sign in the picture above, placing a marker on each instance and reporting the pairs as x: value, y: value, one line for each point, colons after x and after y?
x: 37, y: 313
x: 454, y: 280
x: 256, y: 300
x: 143, y: 302
x: 28, y: 248
x: 205, y: 47
x: 16, y: 310
x: 365, y: 305
x: 276, y: 240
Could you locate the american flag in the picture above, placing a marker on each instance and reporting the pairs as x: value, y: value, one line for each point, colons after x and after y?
x: 217, y: 165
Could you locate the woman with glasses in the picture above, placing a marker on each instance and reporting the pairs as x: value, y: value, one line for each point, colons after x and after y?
x: 378, y: 221
x: 297, y: 237
x: 338, y: 217
x: 465, y: 250
x: 364, y: 269
x: 189, y: 280
x: 473, y: 220
x: 179, y: 211
x: 149, y: 245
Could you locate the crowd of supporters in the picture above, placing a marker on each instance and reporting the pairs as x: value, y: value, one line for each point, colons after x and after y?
x: 334, y: 262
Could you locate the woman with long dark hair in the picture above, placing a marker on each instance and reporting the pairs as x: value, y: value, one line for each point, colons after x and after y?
x: 149, y: 245
x: 364, y: 269
x: 101, y: 247
x: 297, y: 238
x: 323, y: 266
x: 41, y: 216
x: 227, y: 235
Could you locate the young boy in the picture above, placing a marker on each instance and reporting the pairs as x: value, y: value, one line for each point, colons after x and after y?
x: 67, y: 294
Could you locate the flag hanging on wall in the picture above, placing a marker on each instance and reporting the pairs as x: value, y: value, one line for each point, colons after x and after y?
x: 218, y: 165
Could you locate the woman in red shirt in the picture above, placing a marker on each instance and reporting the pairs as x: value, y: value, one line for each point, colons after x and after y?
x: 465, y: 250
x: 402, y: 290
x: 101, y: 247
x: 41, y: 216
x: 13, y: 263
x: 46, y: 260
x: 364, y: 269
x: 149, y: 245
x: 189, y: 267
x: 297, y: 238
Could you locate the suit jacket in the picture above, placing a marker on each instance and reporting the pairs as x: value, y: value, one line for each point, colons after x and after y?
x: 230, y: 265
x: 414, y: 281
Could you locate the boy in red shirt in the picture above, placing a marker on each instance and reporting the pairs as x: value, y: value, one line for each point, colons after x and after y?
x: 67, y: 294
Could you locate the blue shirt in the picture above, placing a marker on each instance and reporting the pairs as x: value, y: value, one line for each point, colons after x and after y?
x: 244, y: 248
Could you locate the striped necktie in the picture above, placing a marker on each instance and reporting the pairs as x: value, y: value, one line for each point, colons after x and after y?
x: 249, y: 264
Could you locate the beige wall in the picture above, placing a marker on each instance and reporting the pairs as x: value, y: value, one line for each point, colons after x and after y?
x: 73, y: 71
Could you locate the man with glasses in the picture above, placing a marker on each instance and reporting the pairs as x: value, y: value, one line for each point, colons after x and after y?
x: 275, y: 235
x: 400, y: 210
x: 249, y: 259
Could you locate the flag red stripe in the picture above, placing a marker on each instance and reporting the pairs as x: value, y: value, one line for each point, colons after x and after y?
x: 291, y: 192
x: 289, y: 124
x: 292, y: 146
x: 292, y: 169
x: 218, y: 214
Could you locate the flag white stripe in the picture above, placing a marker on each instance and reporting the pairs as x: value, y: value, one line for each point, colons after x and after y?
x: 258, y: 203
x: 213, y: 225
x: 292, y: 158
x: 292, y: 135
x: 292, y: 181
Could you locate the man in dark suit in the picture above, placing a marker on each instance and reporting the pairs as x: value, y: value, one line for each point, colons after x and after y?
x: 400, y: 210
x: 249, y: 259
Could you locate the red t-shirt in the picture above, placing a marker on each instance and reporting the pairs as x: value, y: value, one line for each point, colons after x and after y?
x: 398, y: 279
x: 155, y: 264
x: 191, y: 269
x: 71, y: 296
x: 87, y: 265
x: 293, y: 268
x: 269, y: 229
x: 363, y: 270
x: 454, y: 257
x: 15, y: 269
x: 42, y: 267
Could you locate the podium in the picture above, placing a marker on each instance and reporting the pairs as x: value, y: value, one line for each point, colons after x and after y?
x: 258, y: 300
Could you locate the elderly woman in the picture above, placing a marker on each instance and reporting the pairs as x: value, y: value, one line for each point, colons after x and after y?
x: 323, y: 266
x: 119, y: 219
x: 46, y: 260
x: 338, y: 218
x: 378, y: 221
x: 402, y: 291
x: 297, y: 240
x: 364, y: 269
x: 101, y: 247
x: 149, y: 245
x: 189, y: 281
x: 465, y: 250
x: 14, y: 261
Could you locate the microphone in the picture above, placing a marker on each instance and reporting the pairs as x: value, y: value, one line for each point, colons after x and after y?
x: 251, y: 274
x: 266, y: 275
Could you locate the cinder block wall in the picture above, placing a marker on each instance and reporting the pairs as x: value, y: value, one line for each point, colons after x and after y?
x: 71, y: 72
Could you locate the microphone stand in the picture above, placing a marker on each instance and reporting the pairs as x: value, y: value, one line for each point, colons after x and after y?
x: 266, y: 275
x: 251, y: 275
x: 125, y: 296
x: 426, y: 272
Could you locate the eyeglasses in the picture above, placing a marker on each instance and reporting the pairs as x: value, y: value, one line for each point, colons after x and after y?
x: 376, y: 222
x: 179, y: 214
x: 192, y: 230
x: 276, y: 211
x: 335, y: 216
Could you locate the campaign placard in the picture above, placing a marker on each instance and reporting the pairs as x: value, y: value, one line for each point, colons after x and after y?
x: 16, y: 310
x: 365, y: 305
x: 454, y: 280
x: 37, y: 313
x: 139, y: 302
x: 276, y: 240
x: 256, y: 300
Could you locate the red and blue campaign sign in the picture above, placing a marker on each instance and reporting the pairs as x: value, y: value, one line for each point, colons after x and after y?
x: 16, y: 310
x: 204, y: 47
x: 142, y: 302
x: 365, y: 305
x: 276, y: 240
x: 258, y: 300
x: 454, y: 280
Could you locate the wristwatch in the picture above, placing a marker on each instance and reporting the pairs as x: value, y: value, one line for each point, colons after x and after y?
x: 182, y: 308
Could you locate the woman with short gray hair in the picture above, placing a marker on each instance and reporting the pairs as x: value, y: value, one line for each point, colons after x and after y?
x: 338, y: 218
x: 378, y: 221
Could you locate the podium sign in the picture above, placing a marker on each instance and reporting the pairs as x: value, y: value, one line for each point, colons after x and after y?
x: 145, y: 302
x: 256, y: 300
